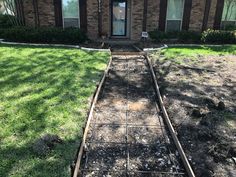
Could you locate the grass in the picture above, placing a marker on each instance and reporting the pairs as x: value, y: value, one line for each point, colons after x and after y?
x: 179, y: 53
x: 230, y: 120
x: 44, y: 90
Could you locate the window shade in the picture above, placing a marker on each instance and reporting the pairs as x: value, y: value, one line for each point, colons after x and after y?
x: 229, y: 12
x: 173, y: 25
x: 71, y: 22
x: 70, y: 13
x: 175, y: 9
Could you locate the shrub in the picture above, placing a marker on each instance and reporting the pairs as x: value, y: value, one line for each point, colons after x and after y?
x: 43, y: 35
x: 189, y: 36
x: 209, y: 36
x: 157, y: 36
x: 5, y: 21
x: 229, y: 27
x: 182, y: 36
x: 218, y: 37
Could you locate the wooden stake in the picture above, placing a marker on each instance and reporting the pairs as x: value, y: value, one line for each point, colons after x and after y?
x: 77, y: 165
x: 168, y: 122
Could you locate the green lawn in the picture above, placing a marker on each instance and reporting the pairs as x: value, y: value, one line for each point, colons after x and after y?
x: 44, y: 90
x: 178, y: 53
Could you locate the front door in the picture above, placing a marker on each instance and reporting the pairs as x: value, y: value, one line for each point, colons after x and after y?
x: 119, y: 17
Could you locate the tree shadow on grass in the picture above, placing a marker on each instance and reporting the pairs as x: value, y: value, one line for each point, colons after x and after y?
x: 44, y: 90
x: 206, y: 138
x: 27, y: 163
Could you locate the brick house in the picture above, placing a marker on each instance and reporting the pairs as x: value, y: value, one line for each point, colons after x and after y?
x: 127, y: 19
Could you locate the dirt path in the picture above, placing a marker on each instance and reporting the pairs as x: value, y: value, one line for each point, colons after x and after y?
x: 208, y: 138
x: 127, y: 136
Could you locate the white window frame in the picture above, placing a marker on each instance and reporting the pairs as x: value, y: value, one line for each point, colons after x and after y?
x: 63, y: 18
x: 175, y: 19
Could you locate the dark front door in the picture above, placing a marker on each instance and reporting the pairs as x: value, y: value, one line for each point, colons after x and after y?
x: 119, y: 17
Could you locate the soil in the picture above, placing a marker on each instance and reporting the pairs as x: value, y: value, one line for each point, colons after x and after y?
x: 200, y: 98
x: 45, y: 144
x: 127, y: 136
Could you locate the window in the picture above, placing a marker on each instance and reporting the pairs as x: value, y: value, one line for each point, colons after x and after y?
x: 229, y: 14
x: 70, y: 11
x: 2, y: 10
x: 7, y: 7
x: 174, y: 16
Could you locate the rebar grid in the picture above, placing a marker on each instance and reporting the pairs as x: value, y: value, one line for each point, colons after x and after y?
x: 130, y: 69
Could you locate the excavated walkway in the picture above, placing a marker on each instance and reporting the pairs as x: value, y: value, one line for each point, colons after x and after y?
x: 127, y: 136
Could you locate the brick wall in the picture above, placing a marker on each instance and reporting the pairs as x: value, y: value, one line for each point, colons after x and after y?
x: 106, y: 17
x: 153, y: 14
x: 45, y: 9
x: 46, y: 12
x: 46, y: 16
x: 212, y: 12
x: 92, y: 18
x: 197, y: 14
x: 136, y: 19
x: 29, y: 12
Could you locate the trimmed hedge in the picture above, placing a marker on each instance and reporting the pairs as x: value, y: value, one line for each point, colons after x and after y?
x: 208, y: 36
x: 43, y: 35
x: 218, y: 37
x: 182, y: 36
x: 4, y: 21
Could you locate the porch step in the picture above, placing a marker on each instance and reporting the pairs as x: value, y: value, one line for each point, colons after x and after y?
x: 117, y: 41
x: 127, y: 53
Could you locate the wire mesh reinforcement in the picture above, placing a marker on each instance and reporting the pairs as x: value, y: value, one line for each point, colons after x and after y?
x: 127, y: 136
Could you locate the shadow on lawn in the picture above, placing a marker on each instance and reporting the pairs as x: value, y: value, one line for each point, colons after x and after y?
x: 44, y: 90
x: 56, y: 163
x: 207, y: 138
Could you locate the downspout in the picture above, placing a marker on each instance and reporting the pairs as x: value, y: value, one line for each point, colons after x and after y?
x: 36, y: 13
x: 218, y: 14
x: 206, y: 14
x: 20, y: 12
x: 99, y: 18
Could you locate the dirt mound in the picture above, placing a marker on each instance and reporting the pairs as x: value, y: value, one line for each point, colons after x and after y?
x: 202, y: 106
x: 45, y: 144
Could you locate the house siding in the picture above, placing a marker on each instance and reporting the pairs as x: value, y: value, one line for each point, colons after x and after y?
x: 46, y: 13
x: 211, y: 18
x: 45, y: 10
x: 46, y: 16
x: 153, y: 12
x: 92, y: 18
x: 197, y: 15
x: 136, y: 19
x: 29, y: 13
x: 106, y: 17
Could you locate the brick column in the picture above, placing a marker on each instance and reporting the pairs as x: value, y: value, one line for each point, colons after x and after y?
x: 92, y: 19
x: 137, y: 19
x: 153, y: 12
x: 197, y: 15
